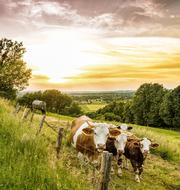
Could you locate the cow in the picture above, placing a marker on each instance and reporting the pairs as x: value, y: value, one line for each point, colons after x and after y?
x: 39, y: 105
x: 116, y: 145
x: 136, y: 150
x: 88, y: 137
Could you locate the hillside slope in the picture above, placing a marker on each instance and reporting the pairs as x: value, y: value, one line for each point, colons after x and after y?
x: 29, y: 162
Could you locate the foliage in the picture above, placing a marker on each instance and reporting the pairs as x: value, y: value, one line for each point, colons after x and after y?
x: 128, y: 115
x: 146, y: 104
x: 170, y: 108
x: 113, y: 111
x: 56, y: 102
x: 73, y: 110
x: 14, y: 74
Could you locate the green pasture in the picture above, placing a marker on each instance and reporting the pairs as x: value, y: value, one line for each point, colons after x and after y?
x: 92, y: 107
x: 29, y: 162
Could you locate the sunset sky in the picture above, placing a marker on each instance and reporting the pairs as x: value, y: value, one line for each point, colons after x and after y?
x: 96, y: 44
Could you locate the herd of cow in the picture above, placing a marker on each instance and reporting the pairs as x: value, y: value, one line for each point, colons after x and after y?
x: 91, y: 138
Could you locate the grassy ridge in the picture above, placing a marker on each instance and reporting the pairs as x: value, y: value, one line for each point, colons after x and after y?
x: 29, y: 162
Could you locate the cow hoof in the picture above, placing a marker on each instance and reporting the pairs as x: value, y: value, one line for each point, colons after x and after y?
x: 119, y: 174
x: 137, y: 180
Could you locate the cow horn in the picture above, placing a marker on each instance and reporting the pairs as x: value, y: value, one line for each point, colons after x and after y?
x: 90, y: 124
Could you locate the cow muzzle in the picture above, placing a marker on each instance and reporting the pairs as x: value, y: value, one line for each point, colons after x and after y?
x: 145, y: 153
x: 120, y: 152
x: 101, y: 147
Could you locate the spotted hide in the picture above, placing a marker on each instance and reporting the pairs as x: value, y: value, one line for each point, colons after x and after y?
x: 89, y: 138
x: 136, y: 151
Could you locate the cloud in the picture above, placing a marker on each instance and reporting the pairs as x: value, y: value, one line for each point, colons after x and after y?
x: 115, y: 18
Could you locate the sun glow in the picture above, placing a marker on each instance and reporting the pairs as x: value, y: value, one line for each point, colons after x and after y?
x: 77, y: 58
x: 62, y: 55
x: 56, y: 80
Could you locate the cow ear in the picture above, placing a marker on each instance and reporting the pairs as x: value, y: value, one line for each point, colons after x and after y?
x: 130, y: 139
x: 88, y: 131
x: 154, y: 145
x: 136, y: 144
x: 114, y: 132
x: 91, y: 124
x: 129, y: 128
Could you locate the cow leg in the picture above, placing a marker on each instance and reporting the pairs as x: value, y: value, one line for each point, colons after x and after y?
x: 137, y: 179
x: 136, y: 170
x: 126, y: 163
x: 112, y: 165
x: 140, y: 171
x: 80, y: 156
x: 120, y: 166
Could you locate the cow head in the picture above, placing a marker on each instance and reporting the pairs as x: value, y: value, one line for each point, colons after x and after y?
x: 145, y: 144
x: 120, y: 143
x: 100, y: 133
x: 124, y: 127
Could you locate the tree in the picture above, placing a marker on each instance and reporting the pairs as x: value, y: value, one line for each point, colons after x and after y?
x: 74, y: 109
x: 56, y: 102
x: 170, y: 108
x: 14, y: 74
x: 128, y: 115
x: 113, y: 111
x: 28, y: 98
x: 146, y: 104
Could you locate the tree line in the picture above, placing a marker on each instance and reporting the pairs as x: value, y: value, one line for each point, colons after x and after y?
x: 56, y: 102
x: 152, y: 105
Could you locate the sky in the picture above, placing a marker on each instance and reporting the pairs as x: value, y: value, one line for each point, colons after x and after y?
x: 96, y: 44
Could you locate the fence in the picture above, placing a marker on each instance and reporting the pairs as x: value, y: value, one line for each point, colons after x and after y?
x: 102, y: 174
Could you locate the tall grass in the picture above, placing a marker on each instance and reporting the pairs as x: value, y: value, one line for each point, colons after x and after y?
x: 27, y: 161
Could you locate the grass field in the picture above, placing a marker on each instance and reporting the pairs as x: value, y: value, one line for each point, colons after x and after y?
x: 29, y: 162
x: 92, y: 107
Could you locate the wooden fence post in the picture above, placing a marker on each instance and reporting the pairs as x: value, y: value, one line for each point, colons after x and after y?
x: 26, y: 114
x: 59, y: 141
x: 105, y: 170
x: 17, y: 108
x: 31, y: 119
x: 41, y: 124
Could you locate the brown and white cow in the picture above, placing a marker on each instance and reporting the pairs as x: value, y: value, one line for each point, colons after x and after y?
x: 116, y: 145
x: 89, y: 138
x: 136, y: 150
